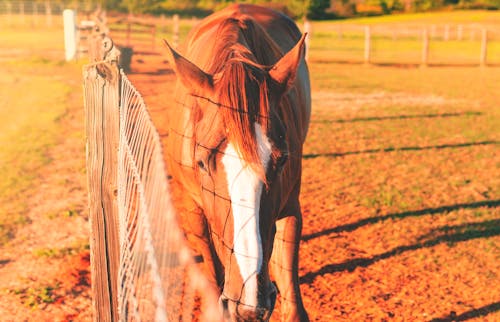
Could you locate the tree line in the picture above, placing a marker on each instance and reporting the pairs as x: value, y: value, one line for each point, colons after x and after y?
x: 311, y: 9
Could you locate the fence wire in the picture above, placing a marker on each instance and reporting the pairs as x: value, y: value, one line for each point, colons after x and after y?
x: 155, y: 278
x: 158, y: 279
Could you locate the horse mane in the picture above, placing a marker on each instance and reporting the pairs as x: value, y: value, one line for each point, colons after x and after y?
x: 243, y: 53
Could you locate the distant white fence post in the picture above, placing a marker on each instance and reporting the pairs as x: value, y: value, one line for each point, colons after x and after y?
x: 175, y: 39
x: 48, y: 13
x: 69, y: 18
x: 425, y: 47
x: 367, y: 44
x: 460, y: 32
x: 484, y: 47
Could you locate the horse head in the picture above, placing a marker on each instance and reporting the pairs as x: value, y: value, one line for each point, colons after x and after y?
x: 239, y: 152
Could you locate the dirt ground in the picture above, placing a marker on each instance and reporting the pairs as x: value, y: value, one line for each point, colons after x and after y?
x: 360, y: 259
x: 44, y: 270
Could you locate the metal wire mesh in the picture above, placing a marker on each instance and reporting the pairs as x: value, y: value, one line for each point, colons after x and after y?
x: 157, y: 277
x: 156, y: 282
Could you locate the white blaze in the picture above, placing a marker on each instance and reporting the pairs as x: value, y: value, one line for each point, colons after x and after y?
x: 245, y: 189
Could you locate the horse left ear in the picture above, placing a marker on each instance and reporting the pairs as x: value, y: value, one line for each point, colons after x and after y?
x: 285, y: 70
x: 190, y: 75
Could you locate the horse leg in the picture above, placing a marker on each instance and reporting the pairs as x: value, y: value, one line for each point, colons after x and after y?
x: 195, y: 228
x: 284, y: 267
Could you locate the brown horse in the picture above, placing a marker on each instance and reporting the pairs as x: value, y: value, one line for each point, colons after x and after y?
x: 234, y: 152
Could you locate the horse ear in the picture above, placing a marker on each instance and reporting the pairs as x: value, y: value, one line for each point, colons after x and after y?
x: 190, y: 75
x: 285, y: 70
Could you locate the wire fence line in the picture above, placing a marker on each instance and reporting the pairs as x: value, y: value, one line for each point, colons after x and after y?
x: 142, y: 268
x: 406, y: 43
x: 39, y: 13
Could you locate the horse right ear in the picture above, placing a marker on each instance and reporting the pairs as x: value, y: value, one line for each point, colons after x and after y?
x: 284, y: 71
x: 190, y: 75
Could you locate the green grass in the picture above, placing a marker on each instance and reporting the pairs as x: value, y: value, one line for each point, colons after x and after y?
x: 34, y: 91
x: 23, y: 41
x: 77, y: 248
x: 397, y: 39
x: 407, y: 138
x: 36, y: 297
x: 458, y: 16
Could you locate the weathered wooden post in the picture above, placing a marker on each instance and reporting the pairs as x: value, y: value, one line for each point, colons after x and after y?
x: 175, y: 36
x: 128, y: 35
x: 101, y: 96
x: 34, y: 13
x: 9, y: 12
x: 425, y: 47
x: 367, y: 45
x: 484, y: 47
x: 472, y: 34
x: 460, y: 32
x: 21, y: 11
x: 433, y: 31
x: 48, y: 13
x: 163, y: 24
x: 153, y: 38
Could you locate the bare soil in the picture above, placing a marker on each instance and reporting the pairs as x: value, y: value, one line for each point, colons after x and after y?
x: 44, y: 270
x: 374, y: 247
x: 362, y: 257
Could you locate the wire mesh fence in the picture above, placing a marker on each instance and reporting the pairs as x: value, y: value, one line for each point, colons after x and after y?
x: 142, y: 268
x: 30, y: 13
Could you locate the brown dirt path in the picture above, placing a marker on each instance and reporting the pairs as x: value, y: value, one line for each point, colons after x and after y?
x: 362, y: 259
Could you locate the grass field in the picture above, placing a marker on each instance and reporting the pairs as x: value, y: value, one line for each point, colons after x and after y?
x: 401, y: 182
x: 397, y: 39
x: 401, y: 193
x: 44, y: 236
x: 34, y: 91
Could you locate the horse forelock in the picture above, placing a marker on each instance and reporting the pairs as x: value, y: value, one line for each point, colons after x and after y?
x: 241, y: 55
x: 244, y: 89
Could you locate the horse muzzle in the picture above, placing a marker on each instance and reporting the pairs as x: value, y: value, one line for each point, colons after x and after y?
x: 236, y: 311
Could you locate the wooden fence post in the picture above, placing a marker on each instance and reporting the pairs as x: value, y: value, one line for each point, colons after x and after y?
x: 129, y: 32
x: 48, y: 13
x: 175, y: 35
x: 9, y: 12
x: 484, y: 47
x: 433, y: 32
x: 460, y: 32
x: 472, y: 34
x: 102, y: 101
x: 367, y: 44
x: 21, y: 11
x: 153, y: 38
x: 425, y: 47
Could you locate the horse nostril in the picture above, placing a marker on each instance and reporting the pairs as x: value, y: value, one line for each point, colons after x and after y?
x: 245, y: 313
x: 224, y: 307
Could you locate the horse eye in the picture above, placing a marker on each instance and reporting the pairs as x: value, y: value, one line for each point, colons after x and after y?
x: 201, y: 165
